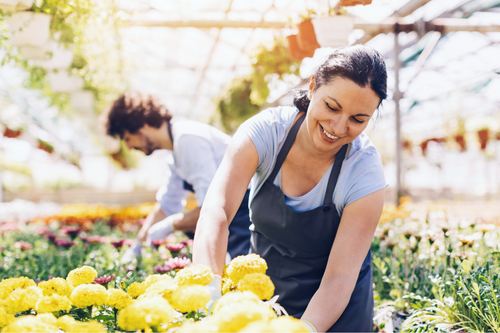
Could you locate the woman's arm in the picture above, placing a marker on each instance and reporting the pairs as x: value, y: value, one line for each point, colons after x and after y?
x: 353, y: 240
x: 222, y: 201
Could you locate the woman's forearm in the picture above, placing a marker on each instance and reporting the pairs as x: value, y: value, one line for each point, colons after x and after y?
x: 210, y: 241
x: 329, y: 302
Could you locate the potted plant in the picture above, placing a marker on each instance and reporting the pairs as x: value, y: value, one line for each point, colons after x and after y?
x: 11, y: 5
x: 63, y: 82
x: 28, y: 28
x: 483, y: 135
x: 10, y: 133
x: 460, y: 139
x: 294, y: 51
x: 347, y: 3
x: 333, y: 30
x: 306, y: 37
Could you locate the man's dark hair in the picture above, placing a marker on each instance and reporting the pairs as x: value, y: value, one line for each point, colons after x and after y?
x: 132, y: 111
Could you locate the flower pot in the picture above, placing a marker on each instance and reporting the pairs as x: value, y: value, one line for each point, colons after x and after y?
x: 8, y: 133
x: 306, y: 38
x: 333, y: 31
x: 11, y: 5
x: 347, y: 3
x: 484, y: 136
x: 294, y: 51
x: 29, y: 29
x: 56, y: 57
x: 63, y: 82
x: 460, y: 139
x: 82, y: 101
x: 423, y: 146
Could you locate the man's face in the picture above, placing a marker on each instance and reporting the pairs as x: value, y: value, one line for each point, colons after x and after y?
x: 142, y: 140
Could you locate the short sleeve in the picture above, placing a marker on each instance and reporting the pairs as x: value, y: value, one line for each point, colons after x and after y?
x: 366, y: 176
x: 195, y: 156
x: 171, y: 194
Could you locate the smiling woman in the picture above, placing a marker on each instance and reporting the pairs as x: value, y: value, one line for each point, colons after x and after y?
x: 316, y: 193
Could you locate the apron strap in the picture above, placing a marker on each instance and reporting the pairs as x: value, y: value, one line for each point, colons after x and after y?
x: 286, y: 147
x: 170, y: 132
x: 334, y: 175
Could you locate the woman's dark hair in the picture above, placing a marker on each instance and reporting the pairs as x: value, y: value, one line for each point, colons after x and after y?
x: 360, y: 64
x: 132, y: 111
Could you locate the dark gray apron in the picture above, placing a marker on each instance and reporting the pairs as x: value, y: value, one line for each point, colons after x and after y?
x: 238, y: 242
x: 296, y: 246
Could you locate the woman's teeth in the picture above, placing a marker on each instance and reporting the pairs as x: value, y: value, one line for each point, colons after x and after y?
x: 328, y: 135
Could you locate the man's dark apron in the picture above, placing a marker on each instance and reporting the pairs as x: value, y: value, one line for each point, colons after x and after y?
x: 296, y: 246
x: 238, y: 242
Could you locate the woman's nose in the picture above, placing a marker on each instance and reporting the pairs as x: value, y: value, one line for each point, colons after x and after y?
x: 339, y: 126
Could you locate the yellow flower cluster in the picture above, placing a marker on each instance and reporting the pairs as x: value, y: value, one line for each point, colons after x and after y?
x: 163, y: 288
x: 82, y: 275
x: 281, y: 324
x: 136, y: 289
x: 243, y: 265
x: 198, y: 274
x: 190, y: 298
x: 56, y: 286
x: 53, y: 303
x: 152, y: 279
x: 40, y: 323
x: 65, y: 322
x: 9, y: 285
x: 88, y: 327
x: 238, y: 315
x: 117, y: 298
x: 5, y: 317
x: 23, y: 299
x: 258, y: 283
x: 88, y: 294
x: 145, y: 314
x: 234, y: 297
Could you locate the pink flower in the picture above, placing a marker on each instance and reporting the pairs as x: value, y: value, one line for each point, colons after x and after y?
x: 188, y: 242
x: 162, y: 269
x: 104, y: 280
x: 51, y: 237
x: 171, y: 238
x: 95, y: 239
x: 23, y: 245
x: 72, y: 232
x: 119, y: 244
x: 128, y: 242
x: 157, y: 243
x: 174, y: 248
x: 130, y: 268
x: 43, y: 230
x: 9, y: 227
x: 65, y: 243
x: 178, y: 263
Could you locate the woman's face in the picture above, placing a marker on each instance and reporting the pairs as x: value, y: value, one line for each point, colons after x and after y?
x: 339, y: 112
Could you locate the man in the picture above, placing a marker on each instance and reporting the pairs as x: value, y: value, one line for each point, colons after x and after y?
x: 197, y: 150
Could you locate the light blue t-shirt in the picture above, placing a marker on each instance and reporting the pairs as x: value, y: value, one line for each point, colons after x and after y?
x: 361, y: 174
x: 198, y: 152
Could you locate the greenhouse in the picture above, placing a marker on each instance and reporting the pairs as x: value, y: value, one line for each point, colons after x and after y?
x: 250, y: 166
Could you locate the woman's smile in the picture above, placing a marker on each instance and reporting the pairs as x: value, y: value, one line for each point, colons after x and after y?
x: 330, y: 137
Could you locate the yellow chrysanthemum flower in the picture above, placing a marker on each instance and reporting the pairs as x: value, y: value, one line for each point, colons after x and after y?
x: 198, y: 274
x: 237, y: 316
x: 88, y: 327
x: 65, y: 322
x: 88, y: 294
x: 163, y: 288
x: 5, y: 317
x: 235, y: 297
x: 243, y: 265
x: 228, y: 285
x: 152, y: 279
x: 258, y: 283
x: 54, y: 303
x: 82, y: 275
x: 117, y: 298
x: 47, y: 318
x: 30, y: 324
x: 21, y: 300
x: 9, y: 285
x: 281, y: 324
x: 190, y: 298
x: 136, y: 289
x: 145, y: 314
x: 56, y: 286
x: 207, y: 325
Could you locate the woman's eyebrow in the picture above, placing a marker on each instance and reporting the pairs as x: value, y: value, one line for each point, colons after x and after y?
x: 333, y: 99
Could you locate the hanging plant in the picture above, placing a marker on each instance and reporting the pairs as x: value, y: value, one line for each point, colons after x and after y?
x: 333, y: 30
x: 9, y: 133
x: 483, y: 135
x: 306, y: 37
x: 294, y: 51
x: 460, y: 139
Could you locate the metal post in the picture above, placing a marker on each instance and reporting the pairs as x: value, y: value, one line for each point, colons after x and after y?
x: 396, y: 98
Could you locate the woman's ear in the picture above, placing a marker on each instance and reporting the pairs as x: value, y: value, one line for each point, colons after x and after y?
x: 312, y: 85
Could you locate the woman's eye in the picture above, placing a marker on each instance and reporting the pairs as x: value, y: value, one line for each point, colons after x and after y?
x: 358, y: 121
x: 331, y: 108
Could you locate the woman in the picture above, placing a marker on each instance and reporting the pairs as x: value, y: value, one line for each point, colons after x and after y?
x: 316, y: 194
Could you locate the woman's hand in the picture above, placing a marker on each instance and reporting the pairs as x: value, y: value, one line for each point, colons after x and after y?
x: 222, y: 201
x: 351, y: 245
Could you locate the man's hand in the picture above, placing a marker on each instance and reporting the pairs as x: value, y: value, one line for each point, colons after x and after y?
x: 215, y: 290
x: 133, y: 251
x: 161, y: 229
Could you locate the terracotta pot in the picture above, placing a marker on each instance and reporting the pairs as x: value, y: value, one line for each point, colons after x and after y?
x: 424, y: 145
x: 294, y: 50
x: 460, y: 139
x: 8, y: 133
x: 484, y: 136
x: 307, y: 37
x: 347, y: 3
